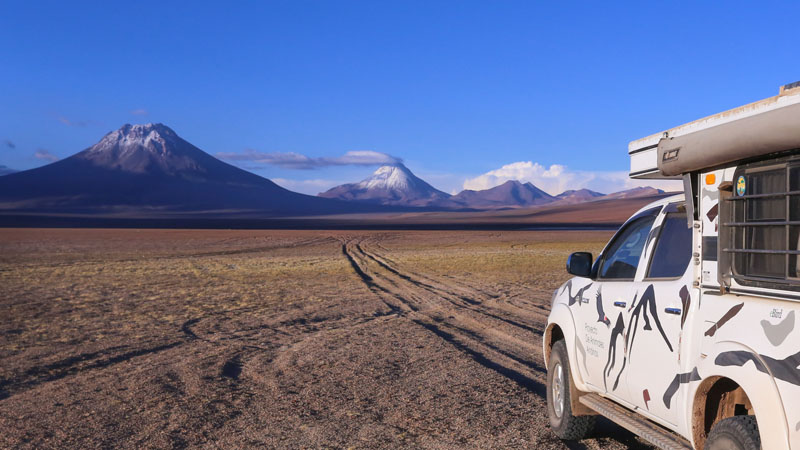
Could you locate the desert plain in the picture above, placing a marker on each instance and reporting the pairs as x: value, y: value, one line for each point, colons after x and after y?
x: 131, y: 338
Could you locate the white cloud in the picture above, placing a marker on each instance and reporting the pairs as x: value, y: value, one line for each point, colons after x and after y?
x: 558, y: 178
x: 291, y: 160
x: 73, y: 123
x: 45, y: 155
x: 139, y: 112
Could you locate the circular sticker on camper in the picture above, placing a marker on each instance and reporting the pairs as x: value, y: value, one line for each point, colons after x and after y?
x: 741, y: 185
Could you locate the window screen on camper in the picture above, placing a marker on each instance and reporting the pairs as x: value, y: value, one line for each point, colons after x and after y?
x: 764, y: 224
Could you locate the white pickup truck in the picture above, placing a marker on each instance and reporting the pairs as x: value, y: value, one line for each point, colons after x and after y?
x: 683, y: 330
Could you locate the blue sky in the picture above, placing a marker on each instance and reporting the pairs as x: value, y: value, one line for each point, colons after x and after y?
x: 455, y: 89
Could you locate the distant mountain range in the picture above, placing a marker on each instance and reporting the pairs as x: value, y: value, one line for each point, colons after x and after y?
x: 508, y: 194
x: 578, y: 196
x: 396, y: 185
x: 148, y: 170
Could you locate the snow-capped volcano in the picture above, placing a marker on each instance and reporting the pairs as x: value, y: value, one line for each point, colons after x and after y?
x: 149, y: 169
x: 389, y: 185
x: 148, y: 148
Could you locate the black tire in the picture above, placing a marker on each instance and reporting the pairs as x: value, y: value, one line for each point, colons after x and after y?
x: 565, y: 425
x: 734, y: 433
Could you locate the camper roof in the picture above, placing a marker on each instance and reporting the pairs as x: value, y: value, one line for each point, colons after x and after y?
x: 767, y: 126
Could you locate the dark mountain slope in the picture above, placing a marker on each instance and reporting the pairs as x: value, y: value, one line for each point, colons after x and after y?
x: 578, y: 196
x: 511, y: 194
x: 150, y: 170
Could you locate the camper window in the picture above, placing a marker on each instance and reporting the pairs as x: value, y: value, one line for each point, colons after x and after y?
x: 764, y: 220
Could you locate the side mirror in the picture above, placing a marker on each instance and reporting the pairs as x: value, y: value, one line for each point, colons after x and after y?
x: 580, y: 264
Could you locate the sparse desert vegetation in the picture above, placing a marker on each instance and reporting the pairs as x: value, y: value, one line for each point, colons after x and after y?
x: 176, y: 338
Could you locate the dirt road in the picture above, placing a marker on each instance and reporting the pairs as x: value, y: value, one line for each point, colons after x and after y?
x: 279, y: 339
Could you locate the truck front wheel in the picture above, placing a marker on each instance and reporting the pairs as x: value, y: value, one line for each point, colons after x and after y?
x: 564, y: 424
x: 734, y: 433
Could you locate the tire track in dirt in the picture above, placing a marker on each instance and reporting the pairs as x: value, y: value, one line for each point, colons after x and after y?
x: 532, y: 317
x: 469, y: 319
x: 458, y: 300
x: 75, y: 365
x: 100, y: 359
x: 481, y: 358
x: 496, y: 342
x: 465, y: 291
x: 395, y: 303
x: 466, y: 300
x: 270, y: 335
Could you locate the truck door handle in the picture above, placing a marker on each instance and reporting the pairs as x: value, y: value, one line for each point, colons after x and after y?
x: 619, y: 304
x: 675, y: 311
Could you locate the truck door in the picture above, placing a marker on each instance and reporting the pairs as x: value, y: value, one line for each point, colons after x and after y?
x: 603, y: 316
x: 657, y: 315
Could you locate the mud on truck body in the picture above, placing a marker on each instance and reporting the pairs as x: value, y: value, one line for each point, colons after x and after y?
x: 684, y: 328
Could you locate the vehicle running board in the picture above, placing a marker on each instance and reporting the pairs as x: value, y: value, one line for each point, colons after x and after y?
x: 635, y: 423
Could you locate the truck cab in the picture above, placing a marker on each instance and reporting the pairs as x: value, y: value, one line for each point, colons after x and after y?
x: 683, y: 328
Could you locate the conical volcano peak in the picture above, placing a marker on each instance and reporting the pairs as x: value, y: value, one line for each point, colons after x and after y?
x: 387, y: 168
x: 396, y: 169
x: 146, y: 148
x: 395, y: 176
x: 143, y: 134
x: 390, y: 184
x: 145, y: 128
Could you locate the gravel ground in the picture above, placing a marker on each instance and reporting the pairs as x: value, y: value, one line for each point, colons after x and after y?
x: 280, y: 339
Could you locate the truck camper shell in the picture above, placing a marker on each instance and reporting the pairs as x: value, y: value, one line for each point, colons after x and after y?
x: 723, y: 293
x: 768, y: 126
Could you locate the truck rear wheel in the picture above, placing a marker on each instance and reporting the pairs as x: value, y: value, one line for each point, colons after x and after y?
x: 564, y: 424
x: 735, y: 433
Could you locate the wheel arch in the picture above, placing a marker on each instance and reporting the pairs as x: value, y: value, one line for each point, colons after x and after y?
x: 717, y: 398
x: 552, y: 334
x: 729, y: 391
x: 561, y: 325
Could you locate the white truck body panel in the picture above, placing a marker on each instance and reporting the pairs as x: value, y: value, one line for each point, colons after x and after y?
x: 625, y: 339
x: 697, y: 356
